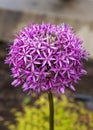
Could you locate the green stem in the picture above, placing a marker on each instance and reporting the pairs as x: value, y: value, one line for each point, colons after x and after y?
x: 51, y: 110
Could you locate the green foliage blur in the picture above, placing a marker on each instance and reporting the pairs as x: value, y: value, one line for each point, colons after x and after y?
x: 68, y: 116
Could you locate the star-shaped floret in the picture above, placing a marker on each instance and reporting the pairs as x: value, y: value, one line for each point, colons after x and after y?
x: 32, y: 62
x: 47, y: 58
x: 24, y: 54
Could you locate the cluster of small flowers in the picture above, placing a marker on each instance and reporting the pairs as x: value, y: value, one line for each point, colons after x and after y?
x: 46, y: 57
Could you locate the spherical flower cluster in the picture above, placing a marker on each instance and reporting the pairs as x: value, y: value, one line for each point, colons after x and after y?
x: 46, y: 57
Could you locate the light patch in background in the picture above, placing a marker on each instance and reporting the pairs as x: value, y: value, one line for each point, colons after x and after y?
x: 87, y: 35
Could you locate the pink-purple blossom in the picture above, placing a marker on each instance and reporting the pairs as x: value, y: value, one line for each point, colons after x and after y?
x: 45, y: 57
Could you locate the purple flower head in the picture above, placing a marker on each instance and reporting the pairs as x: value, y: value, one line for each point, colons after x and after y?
x: 46, y: 57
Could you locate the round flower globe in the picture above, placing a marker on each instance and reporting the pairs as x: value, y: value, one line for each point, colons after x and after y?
x: 46, y: 57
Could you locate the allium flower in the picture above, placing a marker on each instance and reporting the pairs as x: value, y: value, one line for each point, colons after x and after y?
x: 46, y: 58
